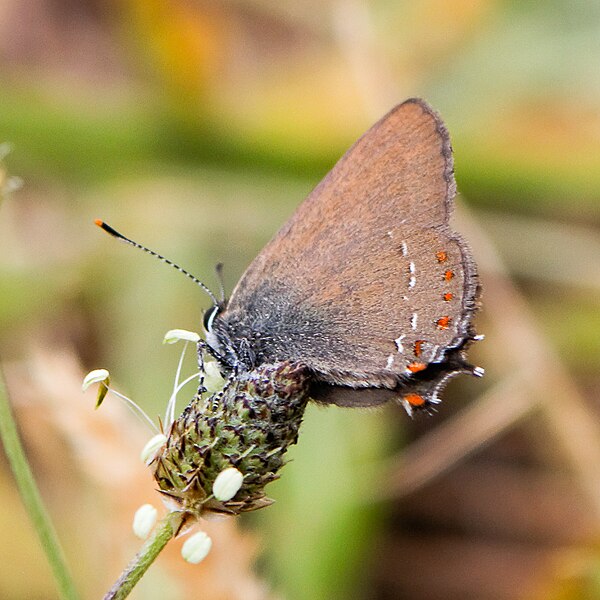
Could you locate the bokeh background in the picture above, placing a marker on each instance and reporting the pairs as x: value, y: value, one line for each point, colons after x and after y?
x: 196, y: 127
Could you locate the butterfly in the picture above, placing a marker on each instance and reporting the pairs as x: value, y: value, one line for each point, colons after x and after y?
x: 366, y: 285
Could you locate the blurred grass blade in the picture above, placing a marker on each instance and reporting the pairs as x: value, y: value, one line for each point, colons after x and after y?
x: 32, y: 499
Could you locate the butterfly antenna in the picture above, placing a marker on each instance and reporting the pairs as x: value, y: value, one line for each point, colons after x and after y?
x: 219, y: 271
x: 121, y: 237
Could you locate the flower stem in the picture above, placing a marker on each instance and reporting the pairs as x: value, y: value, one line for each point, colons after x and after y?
x: 32, y: 498
x: 164, y: 531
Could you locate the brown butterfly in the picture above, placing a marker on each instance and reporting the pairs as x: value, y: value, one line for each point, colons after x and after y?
x: 366, y: 284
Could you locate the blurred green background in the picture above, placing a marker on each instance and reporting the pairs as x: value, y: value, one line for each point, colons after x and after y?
x: 196, y: 128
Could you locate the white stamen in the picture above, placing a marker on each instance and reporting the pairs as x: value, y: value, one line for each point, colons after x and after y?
x: 144, y: 520
x: 170, y: 411
x: 102, y: 376
x: 227, y: 484
x: 174, y: 335
x: 137, y: 410
x: 213, y: 380
x: 152, y: 446
x: 173, y: 398
x: 95, y: 376
x: 196, y: 548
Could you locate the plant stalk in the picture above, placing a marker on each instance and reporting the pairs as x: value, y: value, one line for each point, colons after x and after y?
x: 165, y: 530
x: 32, y: 499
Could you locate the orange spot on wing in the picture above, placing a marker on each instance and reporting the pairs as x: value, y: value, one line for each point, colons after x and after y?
x: 442, y: 256
x: 448, y: 296
x: 443, y: 322
x: 415, y: 367
x: 418, y: 348
x: 414, y: 399
x: 448, y: 275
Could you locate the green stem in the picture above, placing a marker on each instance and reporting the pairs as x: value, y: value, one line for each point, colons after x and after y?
x: 164, y: 531
x: 32, y: 499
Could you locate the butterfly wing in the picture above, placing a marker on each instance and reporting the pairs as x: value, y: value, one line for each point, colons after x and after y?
x: 365, y: 284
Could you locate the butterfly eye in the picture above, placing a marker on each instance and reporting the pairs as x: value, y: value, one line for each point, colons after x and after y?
x: 209, y: 317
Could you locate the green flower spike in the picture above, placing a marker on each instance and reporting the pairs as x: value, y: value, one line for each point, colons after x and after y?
x: 249, y: 426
